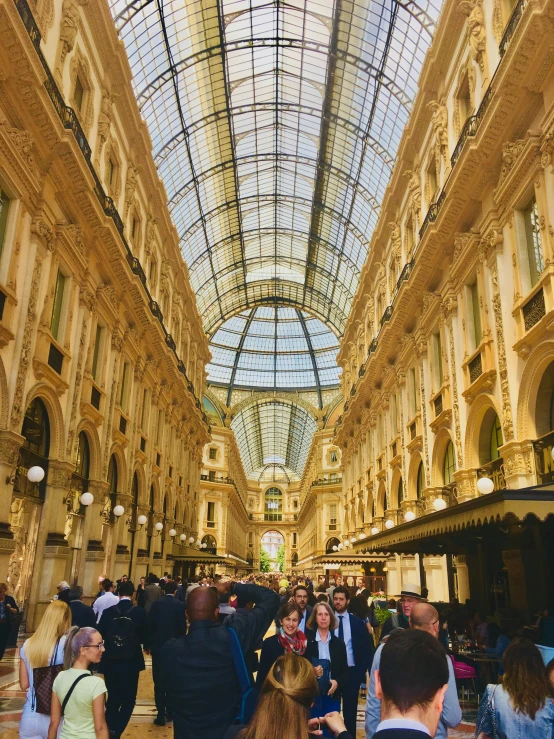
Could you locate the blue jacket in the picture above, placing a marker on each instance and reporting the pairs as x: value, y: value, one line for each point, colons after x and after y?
x: 451, y: 711
x: 512, y: 724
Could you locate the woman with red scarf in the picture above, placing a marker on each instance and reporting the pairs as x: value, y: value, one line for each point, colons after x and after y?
x: 288, y: 639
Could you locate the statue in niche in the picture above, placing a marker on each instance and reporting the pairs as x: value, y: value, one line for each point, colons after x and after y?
x: 17, y: 513
x: 414, y: 188
x: 105, y: 118
x: 476, y: 29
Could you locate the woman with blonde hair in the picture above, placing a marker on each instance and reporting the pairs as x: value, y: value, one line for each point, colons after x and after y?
x: 283, y: 710
x: 45, y: 647
x: 78, y: 695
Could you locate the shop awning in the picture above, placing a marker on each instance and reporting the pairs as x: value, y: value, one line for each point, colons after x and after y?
x: 447, y: 532
x: 188, y: 554
x: 335, y: 560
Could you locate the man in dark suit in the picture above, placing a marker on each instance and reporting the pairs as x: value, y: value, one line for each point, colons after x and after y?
x: 359, y: 651
x: 81, y: 614
x: 166, y: 620
x: 300, y: 597
x: 152, y: 592
x: 411, y: 697
x: 203, y: 688
x: 121, y: 671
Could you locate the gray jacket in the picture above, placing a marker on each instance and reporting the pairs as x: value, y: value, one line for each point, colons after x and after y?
x: 451, y: 711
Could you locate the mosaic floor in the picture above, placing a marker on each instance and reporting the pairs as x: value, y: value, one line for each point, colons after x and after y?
x: 141, y: 726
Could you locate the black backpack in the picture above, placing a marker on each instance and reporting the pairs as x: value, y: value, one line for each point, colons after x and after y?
x: 122, y: 640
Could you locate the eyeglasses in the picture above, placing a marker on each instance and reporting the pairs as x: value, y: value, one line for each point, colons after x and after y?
x: 98, y: 646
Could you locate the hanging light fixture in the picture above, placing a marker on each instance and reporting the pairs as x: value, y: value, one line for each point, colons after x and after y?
x: 35, y: 474
x: 484, y: 485
x: 86, y: 499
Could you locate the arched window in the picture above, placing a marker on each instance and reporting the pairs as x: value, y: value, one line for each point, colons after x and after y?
x: 496, y: 439
x: 294, y: 559
x: 400, y: 491
x: 420, y: 481
x: 334, y: 542
x: 135, y: 489
x: 80, y: 477
x: 449, y: 465
x: 273, y: 504
x: 211, y: 544
x: 111, y: 496
x: 82, y: 467
x: 34, y: 450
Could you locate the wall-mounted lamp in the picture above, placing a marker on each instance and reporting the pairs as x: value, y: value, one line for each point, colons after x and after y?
x: 118, y: 511
x: 86, y: 499
x: 374, y: 531
x: 158, y: 526
x: 34, y: 474
x: 484, y: 485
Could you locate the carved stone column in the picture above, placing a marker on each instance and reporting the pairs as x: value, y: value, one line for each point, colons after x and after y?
x: 462, y: 576
x: 519, y: 468
x: 53, y: 562
x: 466, y: 482
x: 92, y: 564
x: 10, y: 444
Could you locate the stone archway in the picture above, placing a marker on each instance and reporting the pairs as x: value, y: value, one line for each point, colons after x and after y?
x: 271, y: 541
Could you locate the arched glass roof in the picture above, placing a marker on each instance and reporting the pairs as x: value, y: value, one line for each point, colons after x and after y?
x: 275, y: 125
x: 273, y: 437
x: 274, y: 348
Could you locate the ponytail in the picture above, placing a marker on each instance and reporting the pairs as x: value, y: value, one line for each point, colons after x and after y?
x: 76, y: 638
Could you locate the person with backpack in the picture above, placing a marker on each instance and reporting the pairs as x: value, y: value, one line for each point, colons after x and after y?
x: 123, y: 628
x: 77, y: 694
x: 207, y: 685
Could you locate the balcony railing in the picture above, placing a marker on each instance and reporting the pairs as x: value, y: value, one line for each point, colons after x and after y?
x: 471, y: 126
x: 494, y: 470
x: 405, y: 274
x: 70, y: 121
x: 387, y: 315
x: 336, y: 481
x: 432, y: 213
x: 511, y: 27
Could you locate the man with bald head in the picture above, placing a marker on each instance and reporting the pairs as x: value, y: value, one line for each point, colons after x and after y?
x: 426, y: 618
x: 201, y: 681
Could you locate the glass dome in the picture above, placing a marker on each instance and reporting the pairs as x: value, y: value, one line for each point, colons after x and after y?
x: 276, y: 348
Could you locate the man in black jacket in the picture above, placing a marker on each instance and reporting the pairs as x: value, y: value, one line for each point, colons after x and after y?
x: 166, y: 620
x: 81, y: 614
x: 121, y: 672
x: 202, y: 684
x: 411, y: 683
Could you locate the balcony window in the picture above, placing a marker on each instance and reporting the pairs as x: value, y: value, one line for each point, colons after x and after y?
x: 533, y: 241
x: 449, y: 465
x: 273, y: 509
x: 57, y: 307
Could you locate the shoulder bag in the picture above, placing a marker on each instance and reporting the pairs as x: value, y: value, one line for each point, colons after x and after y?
x: 249, y: 695
x: 489, y: 709
x: 43, y: 680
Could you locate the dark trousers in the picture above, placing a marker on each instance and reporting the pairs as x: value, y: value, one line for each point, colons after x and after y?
x: 122, y: 695
x: 350, y: 698
x: 5, y: 627
x: 160, y: 696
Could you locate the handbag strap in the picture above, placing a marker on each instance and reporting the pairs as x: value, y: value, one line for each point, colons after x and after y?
x: 238, y: 659
x: 72, y: 688
x: 54, y: 656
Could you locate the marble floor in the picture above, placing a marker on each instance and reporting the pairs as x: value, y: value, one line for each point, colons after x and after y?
x: 141, y: 726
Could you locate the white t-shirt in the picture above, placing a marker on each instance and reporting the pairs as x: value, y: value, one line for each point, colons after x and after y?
x: 105, y: 601
x: 78, y: 721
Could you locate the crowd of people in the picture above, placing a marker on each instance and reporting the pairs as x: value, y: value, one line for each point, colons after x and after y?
x: 219, y: 672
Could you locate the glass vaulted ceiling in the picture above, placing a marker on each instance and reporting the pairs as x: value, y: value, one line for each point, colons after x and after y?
x: 270, y: 347
x: 275, y: 126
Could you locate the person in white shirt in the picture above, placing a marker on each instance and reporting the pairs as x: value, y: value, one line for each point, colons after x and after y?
x: 105, y: 601
x: 411, y: 697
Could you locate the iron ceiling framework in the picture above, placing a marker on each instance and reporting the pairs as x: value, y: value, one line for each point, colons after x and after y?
x: 275, y: 126
x: 259, y: 433
x: 276, y: 348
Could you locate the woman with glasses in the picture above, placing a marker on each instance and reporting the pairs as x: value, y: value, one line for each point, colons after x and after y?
x: 45, y: 647
x: 81, y: 691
